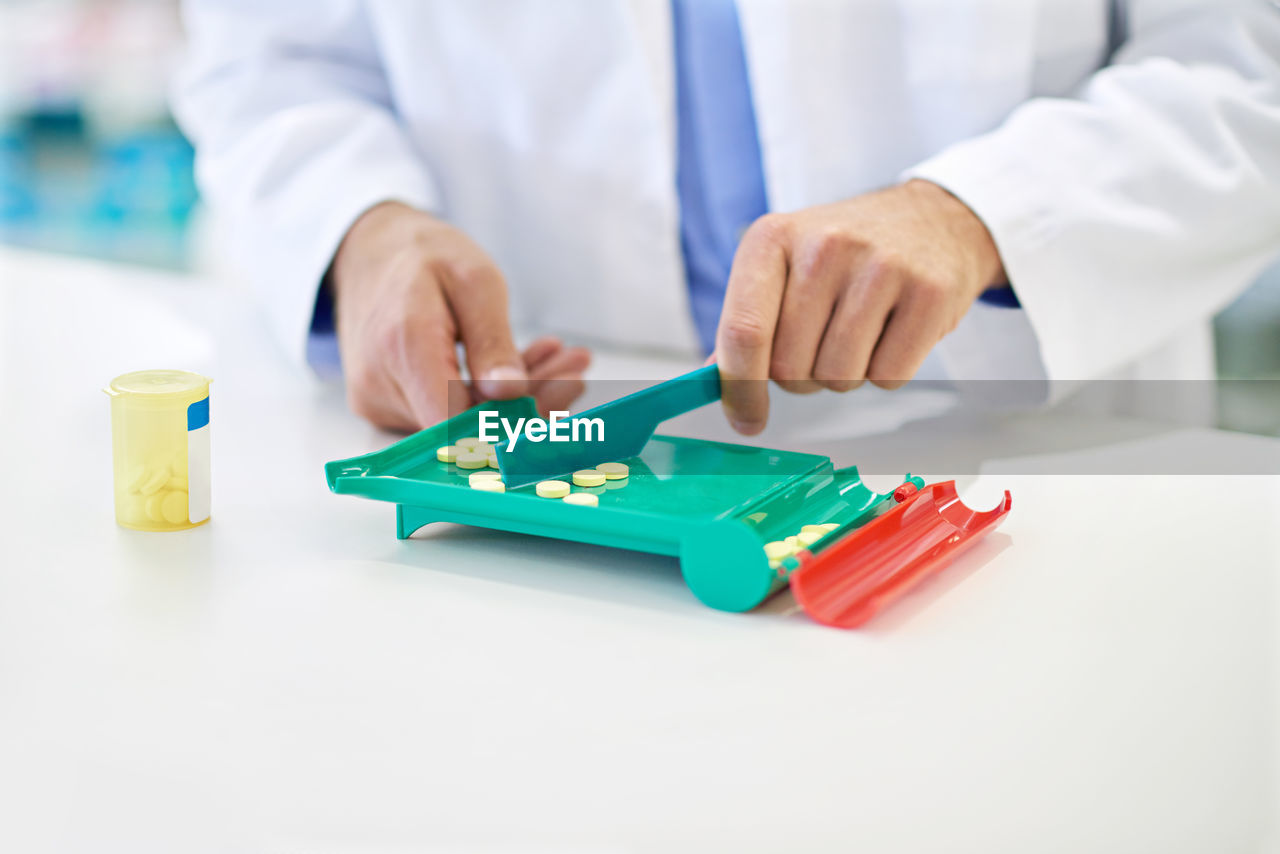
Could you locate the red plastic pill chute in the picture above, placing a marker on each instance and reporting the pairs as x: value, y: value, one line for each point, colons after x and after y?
x: 849, y: 581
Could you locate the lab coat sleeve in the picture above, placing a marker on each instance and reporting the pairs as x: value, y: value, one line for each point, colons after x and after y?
x: 1142, y: 206
x: 295, y: 135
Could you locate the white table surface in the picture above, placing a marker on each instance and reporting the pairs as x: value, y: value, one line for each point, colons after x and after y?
x: 1100, y: 675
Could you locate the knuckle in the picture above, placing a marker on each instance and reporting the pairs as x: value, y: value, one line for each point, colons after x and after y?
x: 882, y: 264
x: 745, y: 332
x: 833, y: 240
x: 835, y: 380
x: 887, y: 376
x: 930, y: 292
x: 770, y: 228
x: 817, y: 256
x: 887, y: 384
x: 784, y: 370
x: 475, y: 274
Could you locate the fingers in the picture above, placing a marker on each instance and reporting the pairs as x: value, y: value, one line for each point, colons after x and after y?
x: 569, y: 361
x: 477, y: 295
x: 424, y: 361
x: 744, y: 340
x: 912, y: 328
x: 556, y: 382
x: 540, y: 350
x: 855, y: 328
x: 382, y: 403
x: 816, y: 275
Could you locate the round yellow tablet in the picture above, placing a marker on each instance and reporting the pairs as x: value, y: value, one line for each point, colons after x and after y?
x: 614, y: 471
x: 447, y: 453
x: 470, y: 460
x: 469, y: 443
x: 552, y: 488
x: 155, y: 482
x: 137, y: 477
x: 174, y: 507
x: 778, y: 549
x: 489, y: 484
x: 586, y: 499
x: 482, y: 475
x: 588, y: 477
x: 175, y: 482
x: 155, y: 507
x: 804, y: 539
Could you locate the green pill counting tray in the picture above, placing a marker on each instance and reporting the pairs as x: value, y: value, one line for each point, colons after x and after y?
x: 712, y: 504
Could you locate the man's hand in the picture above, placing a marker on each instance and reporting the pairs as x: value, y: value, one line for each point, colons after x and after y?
x: 831, y: 296
x: 407, y: 288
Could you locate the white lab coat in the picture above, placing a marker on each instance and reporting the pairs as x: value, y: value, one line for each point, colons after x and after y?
x: 1129, y: 204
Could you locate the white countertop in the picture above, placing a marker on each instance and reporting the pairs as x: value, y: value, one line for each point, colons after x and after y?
x: 1099, y: 675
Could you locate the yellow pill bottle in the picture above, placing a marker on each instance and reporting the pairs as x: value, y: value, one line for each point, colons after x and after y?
x: 160, y: 449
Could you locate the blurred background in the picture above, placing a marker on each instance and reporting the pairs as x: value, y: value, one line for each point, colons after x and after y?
x: 92, y: 164
x: 90, y: 161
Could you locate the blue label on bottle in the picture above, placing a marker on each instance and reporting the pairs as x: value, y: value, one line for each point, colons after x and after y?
x: 198, y: 414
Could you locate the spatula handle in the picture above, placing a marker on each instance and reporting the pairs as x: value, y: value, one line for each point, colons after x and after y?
x: 684, y: 393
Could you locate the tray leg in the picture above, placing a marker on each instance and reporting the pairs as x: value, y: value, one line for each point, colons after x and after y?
x: 410, y: 518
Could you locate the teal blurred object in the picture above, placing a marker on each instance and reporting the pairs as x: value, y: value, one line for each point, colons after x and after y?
x: 17, y: 201
x: 126, y: 197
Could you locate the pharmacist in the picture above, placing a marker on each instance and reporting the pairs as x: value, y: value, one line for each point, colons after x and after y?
x: 821, y: 193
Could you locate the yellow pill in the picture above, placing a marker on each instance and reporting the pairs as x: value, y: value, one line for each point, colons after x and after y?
x: 155, y: 482
x: 778, y: 549
x: 447, y: 453
x: 155, y: 507
x: 470, y: 460
x: 174, y: 507
x: 482, y: 475
x: 469, y: 443
x: 137, y: 476
x: 614, y: 471
x: 176, y: 482
x: 492, y: 463
x: 824, y: 528
x: 791, y: 541
x: 586, y: 499
x: 588, y: 477
x: 490, y: 484
x: 807, y: 538
x: 552, y: 488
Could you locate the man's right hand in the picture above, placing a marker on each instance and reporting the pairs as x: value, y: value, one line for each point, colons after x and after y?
x: 407, y: 288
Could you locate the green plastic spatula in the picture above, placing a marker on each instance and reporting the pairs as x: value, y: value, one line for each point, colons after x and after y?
x: 629, y: 422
